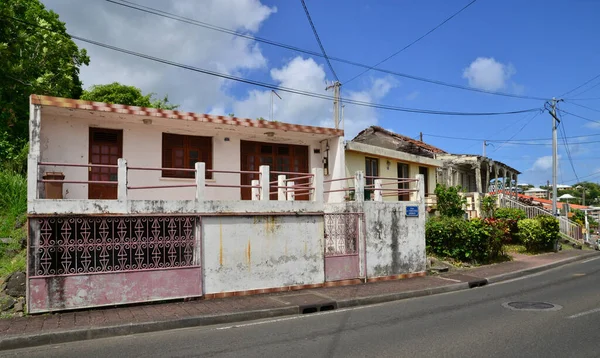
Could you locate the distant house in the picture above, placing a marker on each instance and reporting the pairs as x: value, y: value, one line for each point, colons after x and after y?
x: 382, y: 153
x: 537, y: 193
x: 477, y: 175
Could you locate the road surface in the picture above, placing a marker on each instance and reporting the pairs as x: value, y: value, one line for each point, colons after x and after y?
x: 473, y: 323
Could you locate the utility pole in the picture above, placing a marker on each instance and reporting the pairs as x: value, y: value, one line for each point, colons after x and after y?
x: 548, y: 189
x: 421, y: 136
x: 484, y: 145
x: 336, y: 102
x: 555, y: 122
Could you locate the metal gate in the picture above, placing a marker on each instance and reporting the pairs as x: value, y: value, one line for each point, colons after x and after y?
x: 342, y: 245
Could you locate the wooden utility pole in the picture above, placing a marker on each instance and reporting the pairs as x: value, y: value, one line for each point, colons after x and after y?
x: 336, y: 102
x: 555, y: 122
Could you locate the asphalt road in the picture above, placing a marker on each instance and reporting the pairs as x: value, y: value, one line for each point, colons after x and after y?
x: 472, y: 323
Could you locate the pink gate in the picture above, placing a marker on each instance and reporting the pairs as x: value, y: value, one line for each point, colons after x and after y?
x: 87, y: 261
x: 342, y: 237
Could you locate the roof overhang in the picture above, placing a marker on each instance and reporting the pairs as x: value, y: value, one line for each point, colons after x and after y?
x: 116, y: 113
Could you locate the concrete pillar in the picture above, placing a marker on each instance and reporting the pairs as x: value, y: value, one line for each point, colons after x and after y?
x: 359, y: 187
x: 200, y: 181
x: 291, y: 193
x: 33, y: 175
x: 35, y: 123
x: 421, y: 188
x: 478, y: 184
x: 122, y: 179
x: 265, y: 186
x: 486, y: 187
x: 377, y: 193
x: 516, y: 186
x: 255, y: 191
x: 281, y: 196
x: 496, y: 187
x: 317, y: 185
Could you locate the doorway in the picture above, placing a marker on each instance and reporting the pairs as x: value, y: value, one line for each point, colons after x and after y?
x: 106, y: 147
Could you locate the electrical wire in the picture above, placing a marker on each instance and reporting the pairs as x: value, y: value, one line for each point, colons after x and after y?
x: 161, y: 13
x: 271, y: 86
x: 566, y: 143
x: 519, y: 131
x: 582, y: 106
x: 587, y: 90
x: 578, y: 116
x: 578, y: 87
x: 312, y: 25
x: 412, y: 43
x: 504, y: 140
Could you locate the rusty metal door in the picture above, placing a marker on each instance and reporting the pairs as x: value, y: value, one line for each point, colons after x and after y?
x: 342, y: 245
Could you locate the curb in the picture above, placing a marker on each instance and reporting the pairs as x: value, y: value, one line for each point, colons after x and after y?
x: 532, y: 270
x: 32, y: 340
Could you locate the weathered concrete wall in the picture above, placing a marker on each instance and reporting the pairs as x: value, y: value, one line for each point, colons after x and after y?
x: 395, y: 244
x: 66, y: 140
x: 259, y: 252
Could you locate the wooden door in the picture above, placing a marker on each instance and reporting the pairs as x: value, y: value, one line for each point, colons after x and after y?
x: 106, y: 147
x: 279, y: 157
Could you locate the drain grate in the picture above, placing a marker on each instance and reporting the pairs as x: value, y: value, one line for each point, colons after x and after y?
x: 532, y: 306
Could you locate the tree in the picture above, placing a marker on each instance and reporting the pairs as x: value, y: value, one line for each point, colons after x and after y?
x: 127, y: 95
x: 32, y: 61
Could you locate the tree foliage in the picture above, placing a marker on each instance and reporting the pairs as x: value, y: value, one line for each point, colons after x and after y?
x: 127, y: 95
x: 449, y: 201
x: 32, y: 61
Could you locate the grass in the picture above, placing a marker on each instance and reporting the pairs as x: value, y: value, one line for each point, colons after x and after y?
x: 13, y: 218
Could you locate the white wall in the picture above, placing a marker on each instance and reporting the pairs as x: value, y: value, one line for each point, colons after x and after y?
x: 257, y: 252
x: 66, y: 140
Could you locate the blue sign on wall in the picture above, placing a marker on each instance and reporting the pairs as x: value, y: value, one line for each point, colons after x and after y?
x: 412, y: 211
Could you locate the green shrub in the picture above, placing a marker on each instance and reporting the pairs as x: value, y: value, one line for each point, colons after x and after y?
x: 488, y: 205
x: 549, y: 232
x: 446, y: 237
x: 449, y: 201
x: 510, y: 213
x: 475, y: 240
x: 529, y: 232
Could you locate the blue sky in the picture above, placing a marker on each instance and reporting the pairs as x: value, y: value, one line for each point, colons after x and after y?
x: 533, y: 48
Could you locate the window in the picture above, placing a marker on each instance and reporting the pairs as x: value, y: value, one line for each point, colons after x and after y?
x: 403, y: 174
x: 184, y: 151
x: 371, y: 170
x: 425, y: 172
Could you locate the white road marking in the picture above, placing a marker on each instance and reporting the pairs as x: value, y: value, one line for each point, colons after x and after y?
x: 590, y: 260
x: 584, y: 313
x: 316, y: 314
x: 449, y: 279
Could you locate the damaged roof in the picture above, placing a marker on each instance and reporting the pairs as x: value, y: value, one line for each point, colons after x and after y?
x: 380, y: 137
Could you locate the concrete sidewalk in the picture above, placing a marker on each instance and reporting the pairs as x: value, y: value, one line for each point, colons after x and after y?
x: 97, y: 323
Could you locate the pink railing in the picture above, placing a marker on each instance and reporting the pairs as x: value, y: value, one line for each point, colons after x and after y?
x: 298, y: 189
x: 52, y: 164
x: 346, y: 188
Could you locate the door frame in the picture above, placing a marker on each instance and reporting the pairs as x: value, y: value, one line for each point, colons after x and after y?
x: 92, y: 130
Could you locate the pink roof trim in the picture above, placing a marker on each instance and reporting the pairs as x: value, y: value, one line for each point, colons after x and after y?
x: 188, y: 116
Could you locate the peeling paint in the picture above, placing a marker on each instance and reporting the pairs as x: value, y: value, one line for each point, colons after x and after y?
x: 220, y: 243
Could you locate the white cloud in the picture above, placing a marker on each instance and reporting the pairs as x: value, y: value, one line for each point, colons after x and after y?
x: 305, y: 74
x: 488, y: 74
x: 543, y: 164
x: 171, y: 40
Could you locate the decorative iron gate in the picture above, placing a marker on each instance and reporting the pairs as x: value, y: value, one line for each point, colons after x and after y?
x: 342, y: 245
x: 86, y: 261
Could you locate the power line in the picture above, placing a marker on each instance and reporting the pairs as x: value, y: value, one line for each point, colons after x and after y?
x: 412, y: 43
x: 319, y: 40
x: 271, y: 86
x: 566, y: 142
x: 587, y: 90
x: 584, y: 99
x: 582, y: 106
x: 578, y: 116
x: 510, y: 125
x: 578, y: 87
x: 503, y: 140
x: 190, y: 21
x: 519, y: 131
